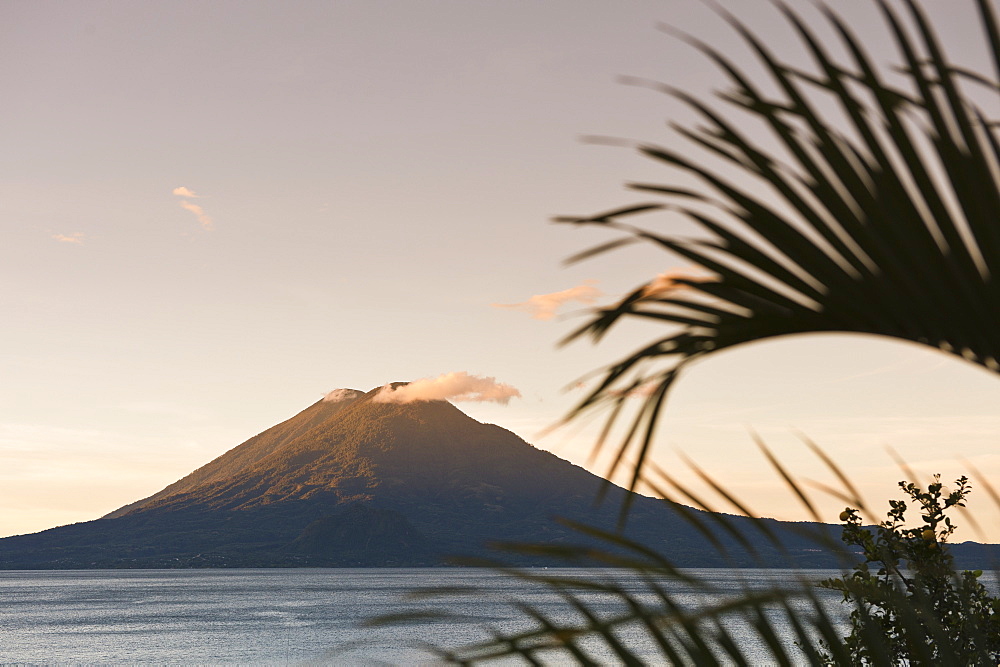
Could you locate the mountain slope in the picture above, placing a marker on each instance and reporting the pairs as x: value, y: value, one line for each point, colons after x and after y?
x: 363, y: 450
x: 360, y: 482
x: 248, y: 453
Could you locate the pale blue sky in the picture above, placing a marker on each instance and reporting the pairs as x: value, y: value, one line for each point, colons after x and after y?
x: 372, y: 175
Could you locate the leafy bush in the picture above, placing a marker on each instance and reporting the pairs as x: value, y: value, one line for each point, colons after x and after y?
x: 911, y: 605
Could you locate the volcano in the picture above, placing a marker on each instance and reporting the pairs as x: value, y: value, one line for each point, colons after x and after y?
x: 361, y: 482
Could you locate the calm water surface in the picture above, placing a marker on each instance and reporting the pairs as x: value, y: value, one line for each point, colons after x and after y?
x: 275, y: 616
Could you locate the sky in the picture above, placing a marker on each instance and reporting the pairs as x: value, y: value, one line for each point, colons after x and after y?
x: 215, y: 213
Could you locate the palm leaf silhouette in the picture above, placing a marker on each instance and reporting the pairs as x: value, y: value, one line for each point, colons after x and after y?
x: 882, y: 219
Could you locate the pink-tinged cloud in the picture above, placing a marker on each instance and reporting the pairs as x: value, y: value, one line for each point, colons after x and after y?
x: 75, y: 237
x: 544, y: 306
x: 644, y: 390
x: 459, y: 386
x: 338, y: 395
x: 184, y: 192
x: 203, y: 219
x: 667, y: 281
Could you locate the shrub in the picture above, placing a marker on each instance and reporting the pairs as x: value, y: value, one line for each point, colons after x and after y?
x: 911, y: 605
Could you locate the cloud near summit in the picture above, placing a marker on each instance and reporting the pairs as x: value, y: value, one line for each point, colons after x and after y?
x: 458, y: 386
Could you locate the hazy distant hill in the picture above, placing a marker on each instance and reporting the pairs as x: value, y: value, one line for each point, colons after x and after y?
x: 358, y: 482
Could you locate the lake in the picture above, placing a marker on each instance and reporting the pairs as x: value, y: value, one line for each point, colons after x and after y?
x: 285, y: 616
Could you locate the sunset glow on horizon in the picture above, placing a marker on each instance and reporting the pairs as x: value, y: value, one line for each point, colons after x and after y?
x: 217, y: 213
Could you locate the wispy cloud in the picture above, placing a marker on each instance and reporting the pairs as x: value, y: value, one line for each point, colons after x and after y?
x: 199, y: 213
x: 544, y: 306
x: 458, y: 386
x: 668, y: 280
x: 644, y: 390
x: 75, y: 237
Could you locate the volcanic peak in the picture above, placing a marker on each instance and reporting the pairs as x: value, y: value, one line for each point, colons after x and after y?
x: 334, y: 447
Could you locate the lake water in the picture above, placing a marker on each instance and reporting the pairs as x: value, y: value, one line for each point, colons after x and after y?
x: 282, y: 616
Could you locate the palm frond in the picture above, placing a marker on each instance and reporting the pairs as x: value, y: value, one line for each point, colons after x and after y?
x: 637, y: 606
x: 882, y: 218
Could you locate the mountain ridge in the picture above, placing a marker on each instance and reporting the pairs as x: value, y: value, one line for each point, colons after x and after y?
x: 336, y: 447
x: 371, y: 481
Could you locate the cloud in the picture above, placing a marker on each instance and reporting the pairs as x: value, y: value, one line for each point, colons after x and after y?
x: 544, y: 306
x: 199, y: 213
x: 667, y: 281
x: 644, y: 390
x: 338, y: 395
x: 203, y: 218
x: 75, y: 237
x: 458, y: 386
